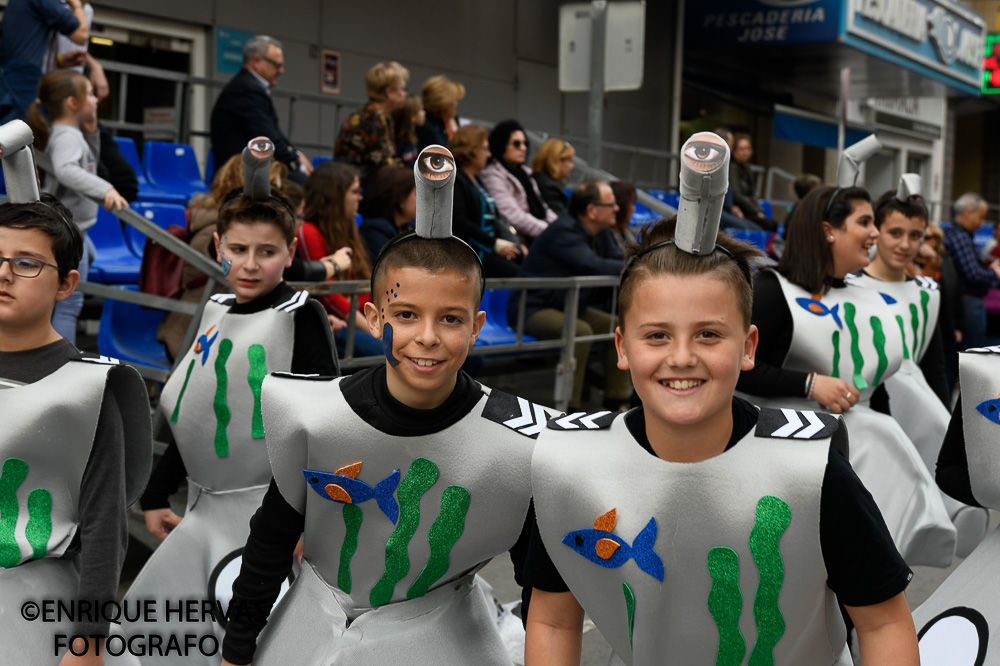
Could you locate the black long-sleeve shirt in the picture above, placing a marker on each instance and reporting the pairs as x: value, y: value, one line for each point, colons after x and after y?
x: 952, y: 474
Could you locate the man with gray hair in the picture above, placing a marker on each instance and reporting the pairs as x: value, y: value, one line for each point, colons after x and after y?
x: 244, y: 108
x: 974, y: 278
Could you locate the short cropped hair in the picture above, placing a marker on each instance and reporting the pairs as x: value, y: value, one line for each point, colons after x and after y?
x: 257, y: 46
x: 55, y: 221
x: 549, y: 154
x: 466, y: 143
x: 383, y: 75
x: 888, y: 203
x: 275, y: 210
x: 968, y: 201
x: 808, y: 260
x: 431, y: 254
x: 586, y: 193
x: 439, y: 93
x: 671, y: 260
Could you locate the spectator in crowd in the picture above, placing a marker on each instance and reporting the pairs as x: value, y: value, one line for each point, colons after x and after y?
x: 741, y: 183
x: 367, y: 139
x: 475, y: 218
x: 28, y: 29
x: 333, y: 195
x: 568, y: 248
x: 551, y: 167
x: 440, y: 95
x: 406, y: 121
x: 312, y: 270
x: 930, y: 257
x: 509, y: 181
x: 625, y: 197
x: 991, y: 250
x: 67, y: 54
x: 974, y: 278
x: 244, y: 108
x: 389, y: 209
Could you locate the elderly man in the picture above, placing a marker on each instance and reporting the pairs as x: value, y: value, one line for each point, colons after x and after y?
x: 244, y: 108
x: 974, y: 278
x: 570, y: 247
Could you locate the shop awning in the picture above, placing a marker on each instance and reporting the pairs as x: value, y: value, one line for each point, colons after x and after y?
x: 811, y: 129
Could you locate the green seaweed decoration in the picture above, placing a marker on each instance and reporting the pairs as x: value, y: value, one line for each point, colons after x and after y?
x: 925, y: 299
x: 859, y: 360
x: 630, y: 609
x: 39, y: 526
x: 353, y: 516
x: 443, y: 535
x: 180, y: 396
x: 902, y: 332
x: 878, y: 339
x: 915, y: 323
x: 725, y: 600
x: 258, y: 370
x: 222, y: 413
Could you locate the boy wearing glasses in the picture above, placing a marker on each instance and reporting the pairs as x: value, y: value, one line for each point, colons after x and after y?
x: 75, y: 447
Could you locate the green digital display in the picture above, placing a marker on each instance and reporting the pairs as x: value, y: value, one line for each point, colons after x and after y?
x: 991, y: 65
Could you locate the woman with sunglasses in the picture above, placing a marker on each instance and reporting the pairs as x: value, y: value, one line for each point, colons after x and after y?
x: 919, y: 394
x: 826, y: 341
x: 510, y: 183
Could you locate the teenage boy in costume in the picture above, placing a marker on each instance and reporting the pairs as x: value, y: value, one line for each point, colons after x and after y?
x: 213, y: 405
x: 406, y: 477
x: 76, y: 445
x: 698, y: 529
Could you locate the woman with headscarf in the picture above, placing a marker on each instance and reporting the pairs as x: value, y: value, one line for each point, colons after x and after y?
x: 510, y: 183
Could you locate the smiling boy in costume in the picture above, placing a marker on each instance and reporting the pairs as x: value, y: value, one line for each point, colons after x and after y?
x: 697, y: 529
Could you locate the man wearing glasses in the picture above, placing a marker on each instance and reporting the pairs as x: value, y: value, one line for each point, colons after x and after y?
x: 244, y: 109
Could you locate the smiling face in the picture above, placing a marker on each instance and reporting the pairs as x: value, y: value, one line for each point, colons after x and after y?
x: 259, y: 256
x: 26, y: 303
x: 852, y: 241
x: 899, y: 241
x: 427, y: 321
x: 685, y: 342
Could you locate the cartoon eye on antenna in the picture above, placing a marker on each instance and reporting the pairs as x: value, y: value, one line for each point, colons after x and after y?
x: 19, y: 174
x: 703, y: 184
x: 434, y: 172
x: 257, y: 168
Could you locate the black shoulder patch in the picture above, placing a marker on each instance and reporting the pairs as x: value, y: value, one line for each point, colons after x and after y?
x: 308, y: 378
x: 995, y: 349
x: 88, y: 357
x: 583, y: 421
x: 526, y: 418
x: 794, y: 424
x: 297, y: 300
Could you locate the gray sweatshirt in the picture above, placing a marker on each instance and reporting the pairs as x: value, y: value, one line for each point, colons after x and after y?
x: 74, y: 156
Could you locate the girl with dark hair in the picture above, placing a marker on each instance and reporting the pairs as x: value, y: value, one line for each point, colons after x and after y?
x: 510, y: 183
x: 829, y: 342
x: 333, y: 194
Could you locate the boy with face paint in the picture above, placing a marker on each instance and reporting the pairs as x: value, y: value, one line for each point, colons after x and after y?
x: 76, y: 445
x: 212, y: 404
x: 697, y: 528
x: 407, y: 478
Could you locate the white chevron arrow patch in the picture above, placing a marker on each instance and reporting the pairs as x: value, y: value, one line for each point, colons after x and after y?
x: 532, y: 420
x: 588, y: 421
x: 794, y: 423
x: 525, y: 417
x: 566, y: 422
x: 815, y: 425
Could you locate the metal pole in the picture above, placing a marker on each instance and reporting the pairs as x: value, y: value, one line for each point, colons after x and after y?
x: 595, y: 115
x: 675, y: 105
x: 845, y: 76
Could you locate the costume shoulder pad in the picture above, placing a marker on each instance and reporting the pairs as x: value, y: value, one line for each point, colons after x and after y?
x: 223, y: 299
x: 308, y: 378
x: 794, y: 424
x: 88, y: 357
x: 518, y: 414
x: 926, y: 283
x: 995, y: 349
x: 297, y: 300
x: 583, y: 421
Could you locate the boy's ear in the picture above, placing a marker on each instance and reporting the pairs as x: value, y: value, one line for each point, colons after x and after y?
x: 620, y: 348
x: 749, y: 349
x: 371, y: 317
x: 68, y: 285
x: 477, y: 326
x: 291, y: 251
x: 215, y: 241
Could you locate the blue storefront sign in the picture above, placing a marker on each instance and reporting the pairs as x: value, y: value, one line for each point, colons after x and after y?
x: 229, y: 49
x: 727, y: 23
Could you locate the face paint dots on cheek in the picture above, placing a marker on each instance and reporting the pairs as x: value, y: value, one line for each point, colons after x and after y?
x: 387, y: 345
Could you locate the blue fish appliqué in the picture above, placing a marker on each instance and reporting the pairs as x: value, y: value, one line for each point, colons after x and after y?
x: 601, y: 546
x: 204, y: 344
x: 819, y: 309
x: 990, y: 409
x: 343, y: 486
x: 889, y: 300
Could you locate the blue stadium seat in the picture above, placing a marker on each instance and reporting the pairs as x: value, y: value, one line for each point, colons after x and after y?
x: 146, y: 191
x: 172, y: 167
x: 115, y: 263
x: 128, y: 333
x: 161, y: 214
x: 496, y: 331
x: 765, y: 206
x: 319, y: 159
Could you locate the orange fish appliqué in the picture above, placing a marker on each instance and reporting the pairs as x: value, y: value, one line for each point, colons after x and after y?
x: 337, y: 493
x: 606, y: 522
